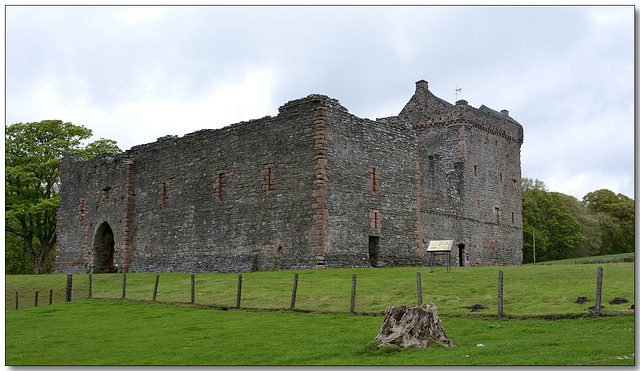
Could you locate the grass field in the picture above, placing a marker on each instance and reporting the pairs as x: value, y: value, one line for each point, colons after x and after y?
x: 135, y: 331
x: 132, y: 333
x: 540, y: 290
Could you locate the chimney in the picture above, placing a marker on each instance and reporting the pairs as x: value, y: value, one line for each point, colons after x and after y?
x: 505, y: 112
x: 422, y: 84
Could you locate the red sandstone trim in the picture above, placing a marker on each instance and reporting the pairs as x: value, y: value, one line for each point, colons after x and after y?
x: 319, y: 227
x: 418, y: 224
x: 221, y: 181
x: 376, y: 220
x: 268, y: 185
x: 129, y: 215
x: 373, y: 183
x: 164, y: 189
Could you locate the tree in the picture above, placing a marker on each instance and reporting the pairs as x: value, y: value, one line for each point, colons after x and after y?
x: 557, y: 232
x: 32, y: 159
x: 616, y: 213
x: 589, y: 227
x: 528, y: 183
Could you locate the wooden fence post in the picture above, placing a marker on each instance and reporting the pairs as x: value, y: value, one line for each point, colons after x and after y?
x: 419, y: 280
x: 193, y: 288
x: 90, y: 284
x: 36, y: 299
x: 500, y: 296
x: 16, y: 300
x: 155, y: 287
x: 69, y: 287
x: 353, y: 294
x: 124, y: 285
x: 239, y: 291
x: 598, y: 292
x: 295, y: 289
x: 50, y: 296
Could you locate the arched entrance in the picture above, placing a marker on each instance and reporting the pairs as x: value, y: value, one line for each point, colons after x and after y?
x: 103, y: 250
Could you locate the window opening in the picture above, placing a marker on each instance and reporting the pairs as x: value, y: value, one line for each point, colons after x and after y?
x: 374, y: 180
x: 461, y: 254
x: 269, y: 183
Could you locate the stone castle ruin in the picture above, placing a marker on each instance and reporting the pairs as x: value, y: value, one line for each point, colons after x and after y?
x: 313, y: 187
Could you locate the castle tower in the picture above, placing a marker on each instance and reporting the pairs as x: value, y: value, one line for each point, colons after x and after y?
x: 469, y: 185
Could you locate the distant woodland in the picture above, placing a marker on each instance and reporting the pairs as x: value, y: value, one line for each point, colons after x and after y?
x: 565, y: 227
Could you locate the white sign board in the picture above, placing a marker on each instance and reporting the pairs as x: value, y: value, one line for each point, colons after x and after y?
x: 440, y: 245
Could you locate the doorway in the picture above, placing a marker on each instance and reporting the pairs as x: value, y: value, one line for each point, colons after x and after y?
x: 374, y: 250
x: 461, y: 254
x: 104, y: 250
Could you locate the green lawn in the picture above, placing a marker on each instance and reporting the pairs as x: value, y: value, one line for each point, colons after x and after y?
x: 136, y: 331
x: 97, y: 332
x: 539, y: 290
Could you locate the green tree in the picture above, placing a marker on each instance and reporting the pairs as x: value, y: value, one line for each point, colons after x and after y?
x: 557, y: 232
x: 32, y: 159
x: 616, y: 213
x: 589, y: 227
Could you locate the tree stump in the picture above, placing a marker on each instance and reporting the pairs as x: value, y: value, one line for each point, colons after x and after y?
x: 412, y: 326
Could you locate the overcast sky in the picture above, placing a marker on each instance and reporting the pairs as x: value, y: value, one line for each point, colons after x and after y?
x: 134, y: 74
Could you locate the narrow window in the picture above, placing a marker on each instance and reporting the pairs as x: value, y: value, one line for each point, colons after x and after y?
x: 220, y: 182
x: 496, y: 214
x: 513, y: 217
x: 500, y: 177
x: 269, y: 183
x: 475, y: 170
x: 374, y: 180
x: 163, y: 192
x: 376, y: 220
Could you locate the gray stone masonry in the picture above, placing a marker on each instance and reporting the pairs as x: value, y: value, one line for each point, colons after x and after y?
x: 313, y: 187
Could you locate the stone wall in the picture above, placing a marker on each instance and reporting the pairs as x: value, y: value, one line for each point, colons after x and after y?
x: 234, y: 199
x: 370, y: 193
x: 469, y: 166
x: 312, y: 187
x: 94, y: 194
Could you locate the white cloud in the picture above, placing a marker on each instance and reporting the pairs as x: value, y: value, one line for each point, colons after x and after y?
x: 137, y: 73
x: 131, y: 16
x: 144, y: 121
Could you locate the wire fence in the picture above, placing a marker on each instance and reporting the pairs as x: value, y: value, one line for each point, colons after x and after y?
x: 561, y: 293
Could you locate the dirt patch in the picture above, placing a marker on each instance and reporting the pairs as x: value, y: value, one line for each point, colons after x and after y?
x: 581, y: 300
x: 594, y: 307
x: 618, y: 301
x: 476, y: 307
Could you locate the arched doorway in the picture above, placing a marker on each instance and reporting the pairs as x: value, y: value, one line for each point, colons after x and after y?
x: 103, y: 250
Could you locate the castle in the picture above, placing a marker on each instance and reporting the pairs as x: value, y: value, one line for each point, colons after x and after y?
x: 313, y: 187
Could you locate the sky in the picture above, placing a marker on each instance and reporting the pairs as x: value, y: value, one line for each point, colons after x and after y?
x: 137, y: 73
